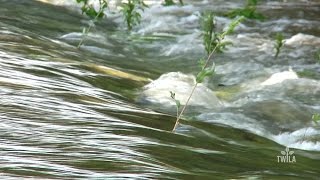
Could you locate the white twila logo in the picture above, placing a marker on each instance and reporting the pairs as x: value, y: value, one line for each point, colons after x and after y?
x: 287, y: 156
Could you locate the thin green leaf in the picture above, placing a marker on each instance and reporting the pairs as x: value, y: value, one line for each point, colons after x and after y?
x: 203, y: 74
x: 232, y: 26
x: 278, y: 44
x: 316, y: 118
x: 178, y: 104
x: 202, y: 63
x: 84, y: 1
x: 168, y: 3
x: 91, y: 12
x: 172, y: 95
x: 252, y: 2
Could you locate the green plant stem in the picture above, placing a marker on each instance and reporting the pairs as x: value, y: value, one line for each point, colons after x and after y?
x: 279, y: 44
x: 177, y: 111
x: 193, y: 89
x: 203, y: 72
x: 304, y: 135
x: 184, y: 107
x: 84, y: 35
x: 210, y: 55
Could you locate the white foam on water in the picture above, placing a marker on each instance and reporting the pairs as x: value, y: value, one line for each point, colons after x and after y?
x: 235, y: 120
x: 280, y: 77
x: 185, y: 44
x: 158, y: 91
x: 72, y: 36
x: 302, y: 39
x: 174, y: 19
x: 299, y: 139
x: 60, y: 2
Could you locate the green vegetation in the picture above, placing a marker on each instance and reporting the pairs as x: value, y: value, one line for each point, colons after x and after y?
x: 213, y: 42
x: 131, y: 13
x: 94, y: 15
x: 278, y: 44
x: 210, y: 37
x: 317, y: 56
x: 178, y: 104
x: 89, y: 10
x: 171, y: 2
x: 316, y: 118
x: 249, y: 11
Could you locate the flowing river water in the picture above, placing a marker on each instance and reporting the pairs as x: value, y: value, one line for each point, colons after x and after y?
x: 104, y: 112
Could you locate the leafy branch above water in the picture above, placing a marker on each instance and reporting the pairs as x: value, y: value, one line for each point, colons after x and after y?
x: 278, y: 44
x: 317, y: 56
x: 93, y: 14
x: 249, y: 11
x: 171, y: 2
x: 316, y: 118
x: 90, y: 11
x: 213, y: 42
x: 131, y: 13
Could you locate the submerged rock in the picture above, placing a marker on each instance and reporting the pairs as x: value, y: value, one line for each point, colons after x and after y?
x: 280, y: 77
x: 158, y: 92
x: 278, y: 115
x: 302, y: 39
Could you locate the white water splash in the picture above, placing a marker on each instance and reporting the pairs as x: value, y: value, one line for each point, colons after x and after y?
x: 302, y: 39
x: 280, y: 77
x: 158, y: 91
x: 299, y: 139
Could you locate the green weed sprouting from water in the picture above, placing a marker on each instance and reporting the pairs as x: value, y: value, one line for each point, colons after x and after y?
x: 317, y: 56
x: 89, y: 10
x: 178, y: 104
x: 210, y: 37
x: 131, y: 13
x: 316, y: 118
x: 94, y: 15
x: 213, y: 42
x: 171, y: 2
x: 278, y: 44
x: 212, y: 45
x: 249, y: 11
